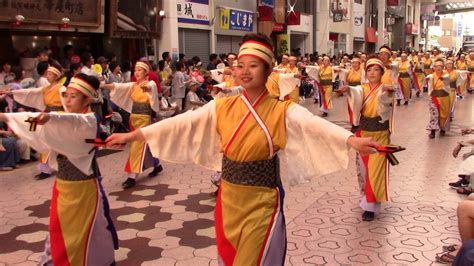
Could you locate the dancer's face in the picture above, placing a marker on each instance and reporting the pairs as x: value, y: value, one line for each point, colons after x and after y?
x: 140, y: 73
x: 51, y: 77
x: 374, y: 74
x: 251, y: 73
x: 75, y: 101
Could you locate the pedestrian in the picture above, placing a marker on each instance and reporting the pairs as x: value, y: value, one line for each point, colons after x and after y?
x: 249, y: 130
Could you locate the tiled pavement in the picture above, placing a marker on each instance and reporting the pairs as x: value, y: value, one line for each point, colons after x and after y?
x: 168, y: 220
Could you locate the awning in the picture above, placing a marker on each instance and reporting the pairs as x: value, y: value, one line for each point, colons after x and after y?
x: 370, y: 35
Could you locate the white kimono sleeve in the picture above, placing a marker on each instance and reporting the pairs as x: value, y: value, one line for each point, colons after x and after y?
x: 32, y: 97
x: 190, y: 137
x: 313, y: 72
x: 355, y: 98
x: 64, y: 134
x: 343, y: 77
x: 385, y: 105
x: 314, y: 146
x: 153, y: 96
x: 287, y: 83
x: 120, y: 95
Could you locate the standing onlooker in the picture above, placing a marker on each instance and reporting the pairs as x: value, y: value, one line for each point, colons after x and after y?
x: 179, y: 85
x: 167, y: 58
x: 126, y: 67
x: 213, y: 60
x: 115, y: 73
x: 192, y: 99
x: 105, y: 69
x: 88, y: 60
x: 42, y: 81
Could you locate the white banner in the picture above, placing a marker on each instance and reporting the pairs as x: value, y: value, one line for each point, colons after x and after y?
x: 193, y: 11
x: 358, y: 22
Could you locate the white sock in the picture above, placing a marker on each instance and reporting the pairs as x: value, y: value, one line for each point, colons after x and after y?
x: 132, y: 175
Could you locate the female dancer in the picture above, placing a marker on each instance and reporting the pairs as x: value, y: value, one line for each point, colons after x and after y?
x: 43, y: 99
x: 81, y: 230
x: 249, y: 130
x: 375, y: 101
x: 140, y: 99
x: 439, y: 89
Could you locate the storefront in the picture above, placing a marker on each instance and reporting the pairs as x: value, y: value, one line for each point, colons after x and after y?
x: 301, y: 35
x: 234, y: 22
x: 29, y: 26
x: 194, y: 30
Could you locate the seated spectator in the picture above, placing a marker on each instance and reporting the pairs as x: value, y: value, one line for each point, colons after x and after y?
x: 9, y: 156
x: 193, y: 101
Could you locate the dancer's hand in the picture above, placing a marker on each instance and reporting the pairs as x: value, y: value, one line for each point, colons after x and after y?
x: 118, y: 140
x: 343, y: 89
x: 388, y: 88
x: 43, y: 118
x: 457, y: 149
x: 364, y: 146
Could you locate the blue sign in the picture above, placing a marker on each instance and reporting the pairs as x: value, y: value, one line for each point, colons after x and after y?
x: 241, y: 20
x: 459, y: 31
x: 270, y: 3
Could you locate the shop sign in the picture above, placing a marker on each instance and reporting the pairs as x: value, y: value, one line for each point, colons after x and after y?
x: 269, y: 3
x: 234, y: 19
x: 135, y: 20
x: 358, y: 22
x: 459, y: 29
x: 193, y: 11
x: 393, y: 2
x: 339, y: 10
x: 79, y: 12
x: 278, y: 27
x: 337, y: 16
x: 427, y: 17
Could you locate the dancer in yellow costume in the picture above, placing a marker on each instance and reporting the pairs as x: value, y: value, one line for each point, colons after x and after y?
x: 140, y: 99
x: 470, y: 69
x: 405, y: 77
x: 374, y: 101
x: 428, y: 63
x: 419, y: 73
x: 439, y: 89
x: 81, y: 231
x: 325, y: 76
x: 294, y: 95
x: 391, y: 72
x: 250, y: 129
x: 461, y: 65
x: 44, y: 99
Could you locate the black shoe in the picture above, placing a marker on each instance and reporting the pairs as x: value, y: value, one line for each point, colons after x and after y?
x: 316, y: 101
x: 156, y: 171
x: 418, y: 94
x: 460, y: 183
x: 325, y: 115
x: 368, y: 216
x: 129, y: 183
x: 42, y: 176
x: 432, y: 134
x: 406, y: 103
x: 23, y: 161
x: 442, y: 133
x: 398, y: 102
x: 425, y: 89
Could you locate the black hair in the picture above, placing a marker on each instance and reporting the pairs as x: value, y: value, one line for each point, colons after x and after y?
x: 161, y: 65
x: 212, y: 57
x: 385, y: 46
x: 85, y: 57
x: 125, y: 66
x: 17, y: 71
x: 113, y: 65
x: 165, y: 55
x: 42, y: 67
